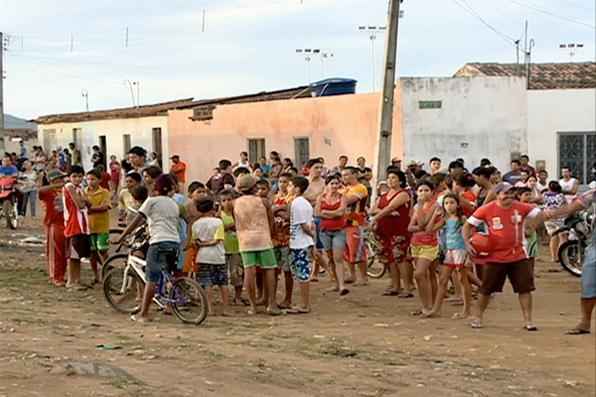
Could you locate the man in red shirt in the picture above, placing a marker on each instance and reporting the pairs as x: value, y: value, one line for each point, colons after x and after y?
x: 51, y: 197
x: 507, y: 258
x: 178, y: 168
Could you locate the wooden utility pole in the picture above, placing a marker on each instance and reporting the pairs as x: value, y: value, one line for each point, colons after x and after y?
x: 388, y: 94
x: 1, y: 84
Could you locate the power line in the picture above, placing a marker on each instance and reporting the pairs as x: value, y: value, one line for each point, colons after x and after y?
x: 466, y: 7
x: 551, y: 14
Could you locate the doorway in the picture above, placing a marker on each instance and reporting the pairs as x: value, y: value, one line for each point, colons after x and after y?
x: 157, y: 146
x: 103, y: 147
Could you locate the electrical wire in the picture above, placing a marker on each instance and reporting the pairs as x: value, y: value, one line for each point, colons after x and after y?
x: 466, y: 7
x: 551, y: 14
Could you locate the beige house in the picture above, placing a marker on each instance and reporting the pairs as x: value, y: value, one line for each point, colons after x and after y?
x: 115, y: 131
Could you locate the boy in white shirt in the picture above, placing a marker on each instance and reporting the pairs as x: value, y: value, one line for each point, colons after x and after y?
x: 302, y: 231
x: 208, y: 232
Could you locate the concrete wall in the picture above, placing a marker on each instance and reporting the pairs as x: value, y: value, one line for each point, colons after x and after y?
x: 140, y: 130
x: 479, y: 117
x: 334, y: 125
x: 554, y: 111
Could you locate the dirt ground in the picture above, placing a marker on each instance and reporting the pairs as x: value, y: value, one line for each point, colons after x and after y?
x: 363, y: 344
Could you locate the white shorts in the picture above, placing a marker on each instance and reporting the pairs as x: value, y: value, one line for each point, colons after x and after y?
x: 455, y: 258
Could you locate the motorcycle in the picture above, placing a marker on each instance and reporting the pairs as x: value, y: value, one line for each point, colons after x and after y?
x: 572, y: 252
x: 9, y: 202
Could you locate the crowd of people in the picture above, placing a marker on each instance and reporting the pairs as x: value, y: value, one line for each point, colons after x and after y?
x: 250, y: 227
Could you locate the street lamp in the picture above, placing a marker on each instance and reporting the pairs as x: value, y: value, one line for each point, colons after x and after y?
x: 572, y: 48
x: 85, y: 95
x: 372, y: 32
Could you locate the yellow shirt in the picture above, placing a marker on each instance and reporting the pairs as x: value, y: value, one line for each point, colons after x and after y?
x: 99, y: 222
x: 357, y: 211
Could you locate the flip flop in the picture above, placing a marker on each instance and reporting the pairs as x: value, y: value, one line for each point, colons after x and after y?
x: 298, y: 310
x: 577, y: 331
x: 390, y: 292
x: 530, y: 327
x: 274, y: 311
x: 405, y: 295
x: 476, y: 324
x: 344, y: 292
x: 417, y: 312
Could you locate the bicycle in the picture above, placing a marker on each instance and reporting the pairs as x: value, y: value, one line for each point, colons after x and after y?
x: 125, y: 280
x: 375, y: 267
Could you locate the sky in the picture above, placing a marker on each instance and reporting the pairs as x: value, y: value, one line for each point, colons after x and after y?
x: 57, y: 50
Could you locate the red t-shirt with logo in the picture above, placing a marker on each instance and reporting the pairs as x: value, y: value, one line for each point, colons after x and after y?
x: 505, y: 228
x: 54, y: 208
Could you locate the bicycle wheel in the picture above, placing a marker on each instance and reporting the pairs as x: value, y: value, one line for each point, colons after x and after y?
x: 571, y: 256
x: 13, y: 216
x: 375, y: 268
x: 114, y: 235
x: 123, y: 293
x: 189, y: 301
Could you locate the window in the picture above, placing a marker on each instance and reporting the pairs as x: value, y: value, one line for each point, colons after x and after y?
x: 430, y: 104
x: 157, y: 148
x: 301, y: 152
x: 256, y: 149
x: 577, y: 150
x: 126, y: 144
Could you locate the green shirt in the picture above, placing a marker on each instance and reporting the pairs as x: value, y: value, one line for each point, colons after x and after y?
x: 231, y: 239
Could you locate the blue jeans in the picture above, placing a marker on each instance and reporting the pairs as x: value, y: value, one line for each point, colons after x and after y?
x: 31, y: 198
x: 162, y: 256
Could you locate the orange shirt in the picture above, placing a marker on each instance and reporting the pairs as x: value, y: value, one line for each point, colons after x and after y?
x: 179, y: 169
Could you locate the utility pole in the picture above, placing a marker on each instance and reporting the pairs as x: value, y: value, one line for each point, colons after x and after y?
x: 388, y: 95
x: 1, y: 83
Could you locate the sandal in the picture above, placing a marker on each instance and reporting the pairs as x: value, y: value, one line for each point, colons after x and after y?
x: 530, y: 327
x: 274, y: 311
x: 390, y: 292
x: 298, y: 310
x: 405, y: 295
x: 344, y: 292
x: 577, y: 331
x: 476, y: 324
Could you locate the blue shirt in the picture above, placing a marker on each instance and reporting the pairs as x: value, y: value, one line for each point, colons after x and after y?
x: 454, y: 238
x: 10, y: 170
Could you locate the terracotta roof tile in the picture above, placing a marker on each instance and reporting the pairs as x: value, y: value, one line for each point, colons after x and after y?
x: 543, y: 76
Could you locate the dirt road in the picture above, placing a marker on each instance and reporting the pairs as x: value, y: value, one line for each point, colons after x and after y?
x: 363, y: 344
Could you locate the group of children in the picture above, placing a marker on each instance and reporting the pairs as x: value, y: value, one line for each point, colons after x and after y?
x: 77, y: 224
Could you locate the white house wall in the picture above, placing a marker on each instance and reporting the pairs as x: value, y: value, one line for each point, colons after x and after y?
x: 140, y: 131
x: 479, y: 117
x: 554, y: 111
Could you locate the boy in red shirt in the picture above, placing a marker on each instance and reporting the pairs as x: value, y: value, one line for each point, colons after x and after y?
x: 51, y: 197
x: 507, y: 257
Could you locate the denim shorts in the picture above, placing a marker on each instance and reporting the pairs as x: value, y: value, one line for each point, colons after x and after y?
x: 212, y: 274
x: 589, y: 273
x: 162, y: 256
x: 333, y: 240
x: 319, y: 242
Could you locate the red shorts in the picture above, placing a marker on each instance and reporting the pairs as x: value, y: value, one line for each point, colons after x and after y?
x: 356, y: 250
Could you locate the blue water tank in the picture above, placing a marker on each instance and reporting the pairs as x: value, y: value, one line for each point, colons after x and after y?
x: 333, y: 86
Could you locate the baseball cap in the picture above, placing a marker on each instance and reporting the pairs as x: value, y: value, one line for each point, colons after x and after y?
x: 55, y: 174
x: 503, y: 187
